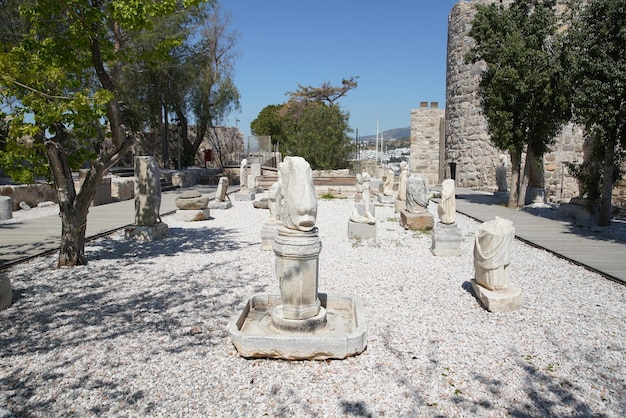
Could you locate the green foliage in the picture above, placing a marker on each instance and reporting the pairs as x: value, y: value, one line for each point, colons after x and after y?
x: 269, y: 122
x: 319, y: 135
x: 524, y: 90
x: 597, y: 52
x: 310, y: 125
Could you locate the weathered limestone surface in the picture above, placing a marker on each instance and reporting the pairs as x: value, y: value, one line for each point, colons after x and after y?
x: 32, y: 194
x: 147, y: 191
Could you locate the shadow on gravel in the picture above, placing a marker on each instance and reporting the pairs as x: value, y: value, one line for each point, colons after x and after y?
x: 59, y: 323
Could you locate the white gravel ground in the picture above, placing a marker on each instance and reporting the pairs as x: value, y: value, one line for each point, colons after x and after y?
x: 141, y: 330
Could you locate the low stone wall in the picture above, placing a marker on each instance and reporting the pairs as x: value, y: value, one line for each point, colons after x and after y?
x: 32, y: 194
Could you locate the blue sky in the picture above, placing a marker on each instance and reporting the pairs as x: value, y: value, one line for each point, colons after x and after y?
x: 397, y: 48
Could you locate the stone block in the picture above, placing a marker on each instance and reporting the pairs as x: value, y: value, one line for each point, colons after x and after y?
x: 146, y: 233
x: 6, y: 292
x: 358, y: 230
x: 386, y: 200
x: 5, y: 208
x: 416, y: 221
x: 501, y: 300
x: 214, y: 204
x: 242, y: 196
x: 446, y: 241
x: 192, y: 215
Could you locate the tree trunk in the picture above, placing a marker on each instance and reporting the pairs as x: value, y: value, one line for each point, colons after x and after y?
x: 528, y: 165
x: 516, y: 158
x: 604, y: 218
x: 73, y: 228
x: 165, y: 143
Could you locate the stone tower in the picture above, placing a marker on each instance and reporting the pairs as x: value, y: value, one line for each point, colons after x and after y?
x: 469, y: 152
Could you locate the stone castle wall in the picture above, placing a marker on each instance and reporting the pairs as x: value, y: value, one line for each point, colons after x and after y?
x: 467, y: 141
x: 426, y: 137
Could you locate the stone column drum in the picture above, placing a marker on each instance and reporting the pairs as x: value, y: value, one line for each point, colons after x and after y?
x: 297, y: 268
x: 147, y: 191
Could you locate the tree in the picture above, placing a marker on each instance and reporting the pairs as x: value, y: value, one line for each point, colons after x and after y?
x: 214, y: 94
x: 269, y: 122
x: 60, y: 78
x: 597, y: 46
x: 319, y: 135
x: 310, y: 125
x: 524, y: 91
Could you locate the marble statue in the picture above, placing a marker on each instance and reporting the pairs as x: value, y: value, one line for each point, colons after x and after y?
x: 492, y: 253
x: 358, y: 197
x: 501, y: 181
x: 417, y: 194
x: 243, y: 176
x: 366, y: 193
x: 388, y: 186
x: 447, y: 206
x: 298, y: 201
x: 274, y: 201
x: 404, y: 174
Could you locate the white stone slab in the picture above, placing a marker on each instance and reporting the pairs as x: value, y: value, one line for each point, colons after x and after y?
x: 502, y: 300
x: 358, y: 230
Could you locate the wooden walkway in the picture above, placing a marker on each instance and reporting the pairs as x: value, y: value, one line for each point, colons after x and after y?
x: 579, y: 245
x: 34, y: 237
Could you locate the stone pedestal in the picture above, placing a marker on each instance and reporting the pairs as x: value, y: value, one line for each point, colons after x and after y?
x: 268, y: 234
x: 357, y: 230
x: 386, y: 200
x: 399, y: 205
x: 446, y: 240
x: 416, y: 221
x: 214, y: 204
x: 246, y: 196
x: 192, y: 215
x: 6, y: 292
x: 5, y: 208
x: 297, y: 263
x: 146, y: 233
x: 500, y: 300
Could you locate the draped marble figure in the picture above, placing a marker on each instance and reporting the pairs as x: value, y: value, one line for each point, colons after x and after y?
x: 417, y: 194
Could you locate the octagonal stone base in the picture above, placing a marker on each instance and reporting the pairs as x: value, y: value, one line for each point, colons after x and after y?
x: 214, y: 204
x: 502, y: 300
x: 146, y: 233
x: 254, y: 334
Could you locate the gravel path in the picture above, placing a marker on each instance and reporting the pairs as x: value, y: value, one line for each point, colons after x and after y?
x: 141, y: 330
